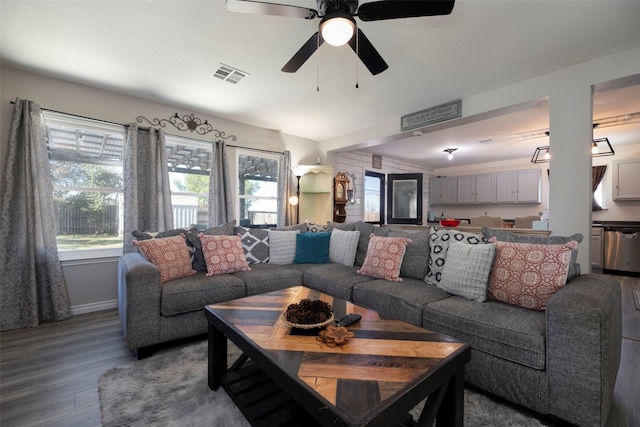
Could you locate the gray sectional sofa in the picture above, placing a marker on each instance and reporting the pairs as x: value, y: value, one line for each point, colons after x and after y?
x: 561, y: 362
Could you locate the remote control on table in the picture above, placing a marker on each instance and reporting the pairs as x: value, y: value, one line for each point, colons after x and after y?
x: 348, y: 319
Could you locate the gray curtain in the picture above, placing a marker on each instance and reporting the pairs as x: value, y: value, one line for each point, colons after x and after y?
x: 147, y: 195
x: 286, y: 212
x: 597, y: 173
x: 220, y: 196
x: 31, y: 281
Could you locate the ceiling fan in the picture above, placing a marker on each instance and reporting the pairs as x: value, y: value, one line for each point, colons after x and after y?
x: 338, y: 26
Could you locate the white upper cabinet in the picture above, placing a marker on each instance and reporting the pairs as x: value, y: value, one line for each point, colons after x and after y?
x: 528, y: 186
x: 476, y: 189
x: 626, y: 179
x: 443, y: 191
x: 505, y: 187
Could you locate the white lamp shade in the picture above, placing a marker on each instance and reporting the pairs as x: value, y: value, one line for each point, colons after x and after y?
x: 337, y: 31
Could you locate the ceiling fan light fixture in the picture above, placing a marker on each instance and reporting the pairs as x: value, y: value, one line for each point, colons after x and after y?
x: 450, y: 151
x: 337, y: 28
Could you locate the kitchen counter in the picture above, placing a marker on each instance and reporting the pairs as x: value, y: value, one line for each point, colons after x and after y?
x: 469, y: 229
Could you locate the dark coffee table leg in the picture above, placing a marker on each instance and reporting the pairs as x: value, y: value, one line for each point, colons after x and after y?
x: 451, y: 411
x: 217, y: 357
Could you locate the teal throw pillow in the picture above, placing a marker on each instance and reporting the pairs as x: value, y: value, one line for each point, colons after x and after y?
x: 312, y: 248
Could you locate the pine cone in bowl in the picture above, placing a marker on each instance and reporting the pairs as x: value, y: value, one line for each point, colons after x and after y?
x: 308, y: 312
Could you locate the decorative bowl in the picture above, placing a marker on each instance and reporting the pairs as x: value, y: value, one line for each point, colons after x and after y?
x: 306, y: 325
x: 449, y: 222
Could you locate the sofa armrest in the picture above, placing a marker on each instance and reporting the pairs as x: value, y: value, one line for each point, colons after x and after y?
x: 584, y: 335
x: 139, y: 300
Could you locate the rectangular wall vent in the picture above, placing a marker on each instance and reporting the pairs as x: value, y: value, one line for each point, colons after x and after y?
x: 228, y: 74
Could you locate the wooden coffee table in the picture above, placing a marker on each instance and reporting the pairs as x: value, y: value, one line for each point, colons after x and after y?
x: 286, y: 377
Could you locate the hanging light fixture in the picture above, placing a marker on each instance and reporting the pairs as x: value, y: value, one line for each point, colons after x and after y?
x: 450, y: 151
x: 337, y: 28
x: 599, y: 147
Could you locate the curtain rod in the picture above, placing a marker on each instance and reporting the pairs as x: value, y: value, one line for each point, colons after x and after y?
x: 147, y: 128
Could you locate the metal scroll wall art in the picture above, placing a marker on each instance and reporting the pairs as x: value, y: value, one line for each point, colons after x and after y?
x: 187, y: 122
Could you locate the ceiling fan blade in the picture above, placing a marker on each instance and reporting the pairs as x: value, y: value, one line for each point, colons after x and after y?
x: 367, y: 53
x: 264, y: 8
x: 392, y: 9
x: 303, y: 54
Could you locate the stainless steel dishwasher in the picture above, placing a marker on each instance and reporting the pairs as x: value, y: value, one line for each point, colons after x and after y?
x: 622, y: 249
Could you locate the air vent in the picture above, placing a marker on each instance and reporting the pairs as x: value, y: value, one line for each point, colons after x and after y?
x: 228, y: 74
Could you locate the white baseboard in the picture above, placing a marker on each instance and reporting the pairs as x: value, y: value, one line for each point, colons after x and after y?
x: 94, y: 306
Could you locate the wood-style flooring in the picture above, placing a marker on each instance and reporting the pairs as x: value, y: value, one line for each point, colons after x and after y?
x: 49, y: 375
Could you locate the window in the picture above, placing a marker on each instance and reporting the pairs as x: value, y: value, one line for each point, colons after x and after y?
x: 189, y: 162
x: 257, y: 189
x: 85, y: 157
x: 374, y: 197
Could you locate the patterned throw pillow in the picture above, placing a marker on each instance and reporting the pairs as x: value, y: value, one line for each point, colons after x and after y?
x: 169, y: 254
x: 312, y: 248
x: 223, y: 254
x: 439, y: 244
x: 343, y: 246
x: 282, y: 247
x: 384, y: 257
x: 198, y: 256
x: 527, y: 274
x: 316, y: 228
x: 506, y: 236
x: 255, y: 242
x: 466, y: 271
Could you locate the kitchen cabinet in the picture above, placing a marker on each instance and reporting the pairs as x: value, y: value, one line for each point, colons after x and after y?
x: 521, y: 186
x: 476, y: 189
x: 626, y: 179
x: 443, y: 191
x: 597, y: 247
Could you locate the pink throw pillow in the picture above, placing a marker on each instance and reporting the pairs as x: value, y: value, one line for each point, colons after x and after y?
x: 384, y: 257
x: 223, y: 254
x: 528, y: 274
x: 169, y: 254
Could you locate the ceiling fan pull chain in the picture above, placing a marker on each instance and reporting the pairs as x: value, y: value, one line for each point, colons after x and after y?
x: 318, y: 63
x: 357, y: 57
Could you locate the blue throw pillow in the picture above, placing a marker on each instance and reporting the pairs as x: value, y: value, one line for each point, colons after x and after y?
x: 312, y: 248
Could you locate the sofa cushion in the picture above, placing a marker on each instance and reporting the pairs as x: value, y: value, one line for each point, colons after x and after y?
x: 527, y: 274
x: 223, y: 254
x: 282, y: 246
x: 492, y: 327
x: 315, y: 228
x: 365, y: 230
x: 169, y: 254
x: 343, y: 246
x: 466, y: 272
x: 384, y: 258
x: 194, y: 240
x: 269, y: 277
x: 415, y: 263
x: 345, y: 226
x: 333, y: 279
x: 439, y: 245
x: 403, y: 302
x: 146, y: 235
x: 312, y: 247
x: 506, y: 236
x: 194, y: 292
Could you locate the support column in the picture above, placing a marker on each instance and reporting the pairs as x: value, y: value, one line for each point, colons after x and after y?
x: 571, y: 134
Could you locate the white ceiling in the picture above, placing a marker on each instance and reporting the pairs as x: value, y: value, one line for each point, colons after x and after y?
x: 164, y: 50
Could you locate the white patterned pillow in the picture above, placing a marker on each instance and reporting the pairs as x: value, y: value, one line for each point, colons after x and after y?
x: 255, y: 242
x: 316, y: 228
x: 282, y: 247
x: 466, y: 272
x: 343, y: 246
x: 439, y: 245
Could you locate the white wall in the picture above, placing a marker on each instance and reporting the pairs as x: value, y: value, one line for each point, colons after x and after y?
x: 357, y: 162
x: 92, y: 283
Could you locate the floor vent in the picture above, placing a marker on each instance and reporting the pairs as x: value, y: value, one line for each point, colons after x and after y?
x: 228, y: 74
